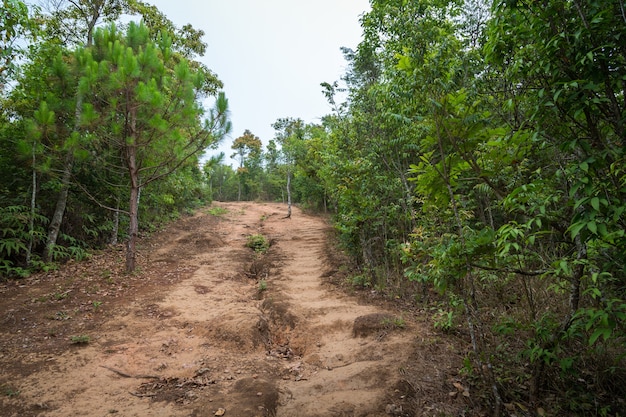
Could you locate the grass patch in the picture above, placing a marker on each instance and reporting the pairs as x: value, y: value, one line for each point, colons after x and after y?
x: 397, y: 322
x: 258, y: 243
x: 217, y: 211
x: 80, y: 340
x: 10, y: 391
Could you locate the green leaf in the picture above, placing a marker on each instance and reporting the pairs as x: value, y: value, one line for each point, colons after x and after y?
x: 584, y: 166
x: 604, y: 332
x: 595, y: 203
x: 576, y: 228
x: 593, y: 227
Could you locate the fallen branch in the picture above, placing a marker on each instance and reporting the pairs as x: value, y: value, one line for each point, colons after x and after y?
x: 136, y: 394
x: 125, y: 375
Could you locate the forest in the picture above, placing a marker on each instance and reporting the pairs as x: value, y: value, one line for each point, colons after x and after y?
x: 474, y: 163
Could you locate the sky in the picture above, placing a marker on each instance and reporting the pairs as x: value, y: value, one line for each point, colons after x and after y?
x: 272, y: 55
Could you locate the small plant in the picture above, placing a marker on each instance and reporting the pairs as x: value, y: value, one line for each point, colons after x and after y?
x: 361, y: 281
x: 468, y: 367
x: 61, y: 316
x: 61, y: 295
x: 80, y: 340
x: 262, y: 285
x: 93, y: 289
x: 96, y: 305
x: 397, y: 322
x: 217, y: 211
x: 444, y: 320
x: 10, y: 391
x: 258, y: 243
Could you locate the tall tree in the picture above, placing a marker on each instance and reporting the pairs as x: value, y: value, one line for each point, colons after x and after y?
x: 210, y: 168
x: 148, y: 111
x: 247, y: 149
x: 289, y: 134
x: 73, y: 23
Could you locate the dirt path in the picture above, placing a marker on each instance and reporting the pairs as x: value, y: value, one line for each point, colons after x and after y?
x: 338, y: 372
x: 209, y: 327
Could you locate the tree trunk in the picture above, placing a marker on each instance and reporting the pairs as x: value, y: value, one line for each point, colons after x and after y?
x: 33, y: 205
x: 133, y: 230
x: 133, y: 210
x: 59, y: 211
x: 288, y: 195
x: 133, y: 205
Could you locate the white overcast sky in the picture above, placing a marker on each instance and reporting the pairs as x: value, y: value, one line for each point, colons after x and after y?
x: 272, y: 55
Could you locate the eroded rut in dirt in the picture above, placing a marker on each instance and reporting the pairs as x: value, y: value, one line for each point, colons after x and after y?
x: 217, y: 342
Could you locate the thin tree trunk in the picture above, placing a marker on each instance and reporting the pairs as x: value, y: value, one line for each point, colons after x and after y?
x: 133, y: 230
x: 133, y: 209
x: 288, y: 195
x: 470, y: 303
x: 133, y: 205
x: 31, y: 221
x: 59, y: 211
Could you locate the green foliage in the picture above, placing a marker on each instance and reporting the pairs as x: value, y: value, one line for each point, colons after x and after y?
x: 16, y: 238
x: 481, y: 155
x: 72, y: 249
x: 14, y: 25
x: 258, y: 243
x: 394, y: 322
x: 248, y: 149
x: 62, y: 121
x: 80, y: 340
x: 217, y: 211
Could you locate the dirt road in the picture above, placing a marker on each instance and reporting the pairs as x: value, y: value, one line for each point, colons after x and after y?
x: 208, y: 327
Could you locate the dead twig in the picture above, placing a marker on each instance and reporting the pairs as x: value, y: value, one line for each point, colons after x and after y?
x: 148, y: 394
x: 125, y: 375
